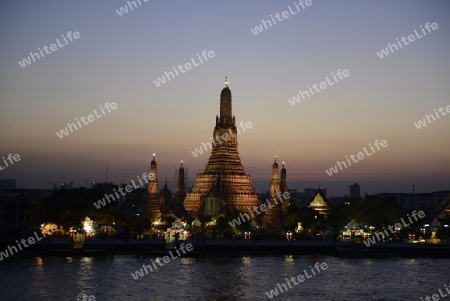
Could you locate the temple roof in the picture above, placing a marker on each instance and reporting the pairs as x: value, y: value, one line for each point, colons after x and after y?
x: 318, y: 203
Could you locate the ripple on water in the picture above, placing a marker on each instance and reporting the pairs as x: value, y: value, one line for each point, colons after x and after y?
x: 214, y: 279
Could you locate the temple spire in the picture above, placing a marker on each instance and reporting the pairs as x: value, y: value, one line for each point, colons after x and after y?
x: 152, y: 208
x: 275, y: 180
x: 225, y: 104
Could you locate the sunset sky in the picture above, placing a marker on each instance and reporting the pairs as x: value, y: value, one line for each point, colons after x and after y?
x: 118, y: 58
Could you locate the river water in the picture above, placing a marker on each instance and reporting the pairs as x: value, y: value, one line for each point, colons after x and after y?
x: 220, y: 278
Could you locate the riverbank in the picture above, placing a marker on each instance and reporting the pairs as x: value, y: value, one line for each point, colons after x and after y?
x: 206, y: 247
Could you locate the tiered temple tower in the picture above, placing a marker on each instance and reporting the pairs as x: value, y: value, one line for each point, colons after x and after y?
x: 284, y: 188
x: 224, y: 181
x: 180, y: 188
x: 273, y: 216
x: 275, y: 180
x: 171, y: 204
x: 152, y: 208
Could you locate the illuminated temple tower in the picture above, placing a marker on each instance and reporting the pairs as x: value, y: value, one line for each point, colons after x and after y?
x: 152, y: 208
x: 224, y: 182
x: 284, y: 188
x: 273, y: 216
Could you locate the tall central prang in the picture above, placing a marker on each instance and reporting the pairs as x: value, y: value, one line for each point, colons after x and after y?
x: 224, y: 183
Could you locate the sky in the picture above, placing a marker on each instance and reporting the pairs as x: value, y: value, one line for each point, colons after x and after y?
x: 119, y: 58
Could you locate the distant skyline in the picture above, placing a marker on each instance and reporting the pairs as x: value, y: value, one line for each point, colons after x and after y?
x: 117, y: 59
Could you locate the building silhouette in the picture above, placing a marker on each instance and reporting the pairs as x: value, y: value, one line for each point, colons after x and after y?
x: 355, y: 191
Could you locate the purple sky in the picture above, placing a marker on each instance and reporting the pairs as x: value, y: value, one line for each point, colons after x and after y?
x: 118, y: 58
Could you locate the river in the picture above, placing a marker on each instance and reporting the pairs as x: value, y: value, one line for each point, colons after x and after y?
x: 221, y: 278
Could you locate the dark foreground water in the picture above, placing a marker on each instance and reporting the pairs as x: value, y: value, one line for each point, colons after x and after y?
x: 243, y: 278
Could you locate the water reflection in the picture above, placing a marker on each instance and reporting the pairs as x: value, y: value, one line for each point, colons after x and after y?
x: 86, y: 275
x: 246, y: 260
x: 38, y: 283
x: 289, y: 258
x: 226, y: 284
x: 241, y: 278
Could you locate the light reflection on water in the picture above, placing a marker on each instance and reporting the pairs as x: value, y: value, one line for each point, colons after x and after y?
x: 213, y: 279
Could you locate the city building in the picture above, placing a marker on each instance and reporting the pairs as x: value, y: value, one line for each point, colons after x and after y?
x: 429, y: 202
x: 355, y: 191
x: 8, y: 184
x: 21, y: 211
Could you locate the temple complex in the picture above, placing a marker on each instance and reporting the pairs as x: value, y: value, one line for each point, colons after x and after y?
x: 223, y: 189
